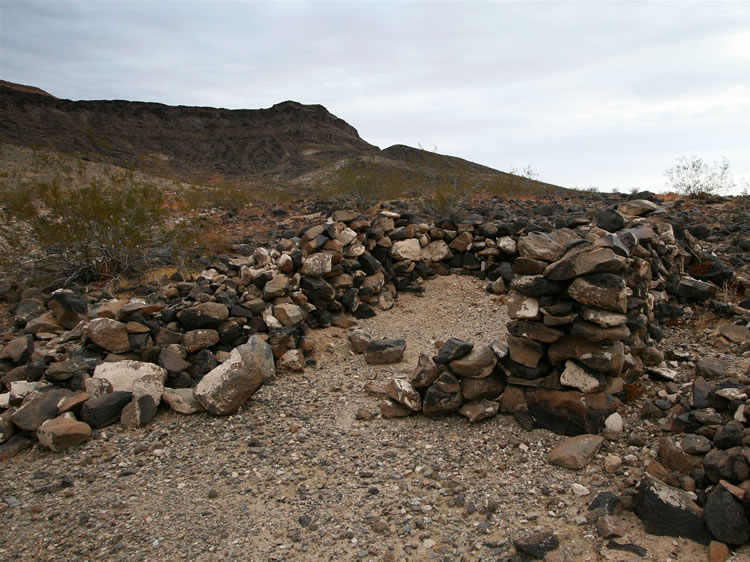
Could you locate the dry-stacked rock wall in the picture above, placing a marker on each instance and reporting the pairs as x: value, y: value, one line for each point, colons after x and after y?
x: 582, y: 298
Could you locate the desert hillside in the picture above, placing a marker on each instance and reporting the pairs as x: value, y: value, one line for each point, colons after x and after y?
x: 289, y: 144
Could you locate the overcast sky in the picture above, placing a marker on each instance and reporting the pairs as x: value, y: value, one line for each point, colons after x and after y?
x: 605, y: 94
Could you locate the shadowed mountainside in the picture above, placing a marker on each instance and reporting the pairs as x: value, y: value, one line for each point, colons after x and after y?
x: 289, y: 144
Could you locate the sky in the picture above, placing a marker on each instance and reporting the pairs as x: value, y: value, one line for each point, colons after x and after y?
x: 604, y: 94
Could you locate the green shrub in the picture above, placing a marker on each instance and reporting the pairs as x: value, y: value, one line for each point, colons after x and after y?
x: 446, y: 200
x: 76, y: 229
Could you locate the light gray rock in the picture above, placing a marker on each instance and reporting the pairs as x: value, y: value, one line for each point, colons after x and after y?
x: 577, y: 376
x: 182, y: 400
x: 97, y: 388
x: 359, y: 340
x: 123, y: 374
x: 227, y: 387
x: 479, y: 363
x: 292, y: 360
x: 604, y: 318
x: 540, y: 247
x: 317, y: 265
x: 288, y: 314
x: 436, y: 251
x: 409, y: 249
x: 521, y: 307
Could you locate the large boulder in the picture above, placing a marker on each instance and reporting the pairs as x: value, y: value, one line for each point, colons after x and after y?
x: 227, y: 387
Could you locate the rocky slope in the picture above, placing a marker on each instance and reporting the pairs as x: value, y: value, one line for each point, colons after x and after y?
x: 289, y: 144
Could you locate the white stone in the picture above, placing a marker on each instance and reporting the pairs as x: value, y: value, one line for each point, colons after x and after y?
x: 123, y: 374
x: 408, y: 249
x: 613, y: 426
x: 436, y: 250
x: 20, y: 389
x: 317, y: 265
x: 224, y: 389
x: 576, y: 376
x: 182, y: 400
x: 346, y: 236
x: 579, y: 490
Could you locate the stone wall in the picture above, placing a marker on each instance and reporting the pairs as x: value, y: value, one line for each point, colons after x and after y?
x: 585, y: 300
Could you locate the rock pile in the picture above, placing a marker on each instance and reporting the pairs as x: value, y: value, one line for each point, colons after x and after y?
x: 582, y: 299
x: 584, y: 305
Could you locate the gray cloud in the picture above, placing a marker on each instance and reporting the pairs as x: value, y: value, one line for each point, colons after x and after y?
x: 587, y: 93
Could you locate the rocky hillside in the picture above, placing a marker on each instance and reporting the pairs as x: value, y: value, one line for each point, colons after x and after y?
x: 289, y: 144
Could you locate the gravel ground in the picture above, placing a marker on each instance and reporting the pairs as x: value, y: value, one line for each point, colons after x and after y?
x: 294, y: 476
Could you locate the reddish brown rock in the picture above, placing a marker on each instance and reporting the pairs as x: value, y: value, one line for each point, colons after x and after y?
x: 63, y: 432
x: 576, y: 452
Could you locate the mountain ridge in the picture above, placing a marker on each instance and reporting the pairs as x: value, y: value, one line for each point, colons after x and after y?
x: 287, y: 145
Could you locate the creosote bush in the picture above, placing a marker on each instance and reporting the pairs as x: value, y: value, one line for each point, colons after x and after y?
x: 693, y: 177
x: 79, y: 229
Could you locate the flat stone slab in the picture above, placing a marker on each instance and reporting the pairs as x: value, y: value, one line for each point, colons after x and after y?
x: 576, y: 452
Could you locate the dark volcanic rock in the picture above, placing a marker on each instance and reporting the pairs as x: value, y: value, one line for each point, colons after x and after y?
x: 669, y: 511
x: 385, y: 351
x: 537, y: 545
x: 610, y: 220
x: 570, y: 413
x: 38, y: 408
x: 105, y: 410
x: 725, y: 517
x: 714, y: 270
x: 727, y: 464
x: 443, y: 396
x: 452, y: 349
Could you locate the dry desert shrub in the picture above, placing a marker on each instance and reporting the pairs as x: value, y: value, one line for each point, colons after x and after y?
x: 77, y: 228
